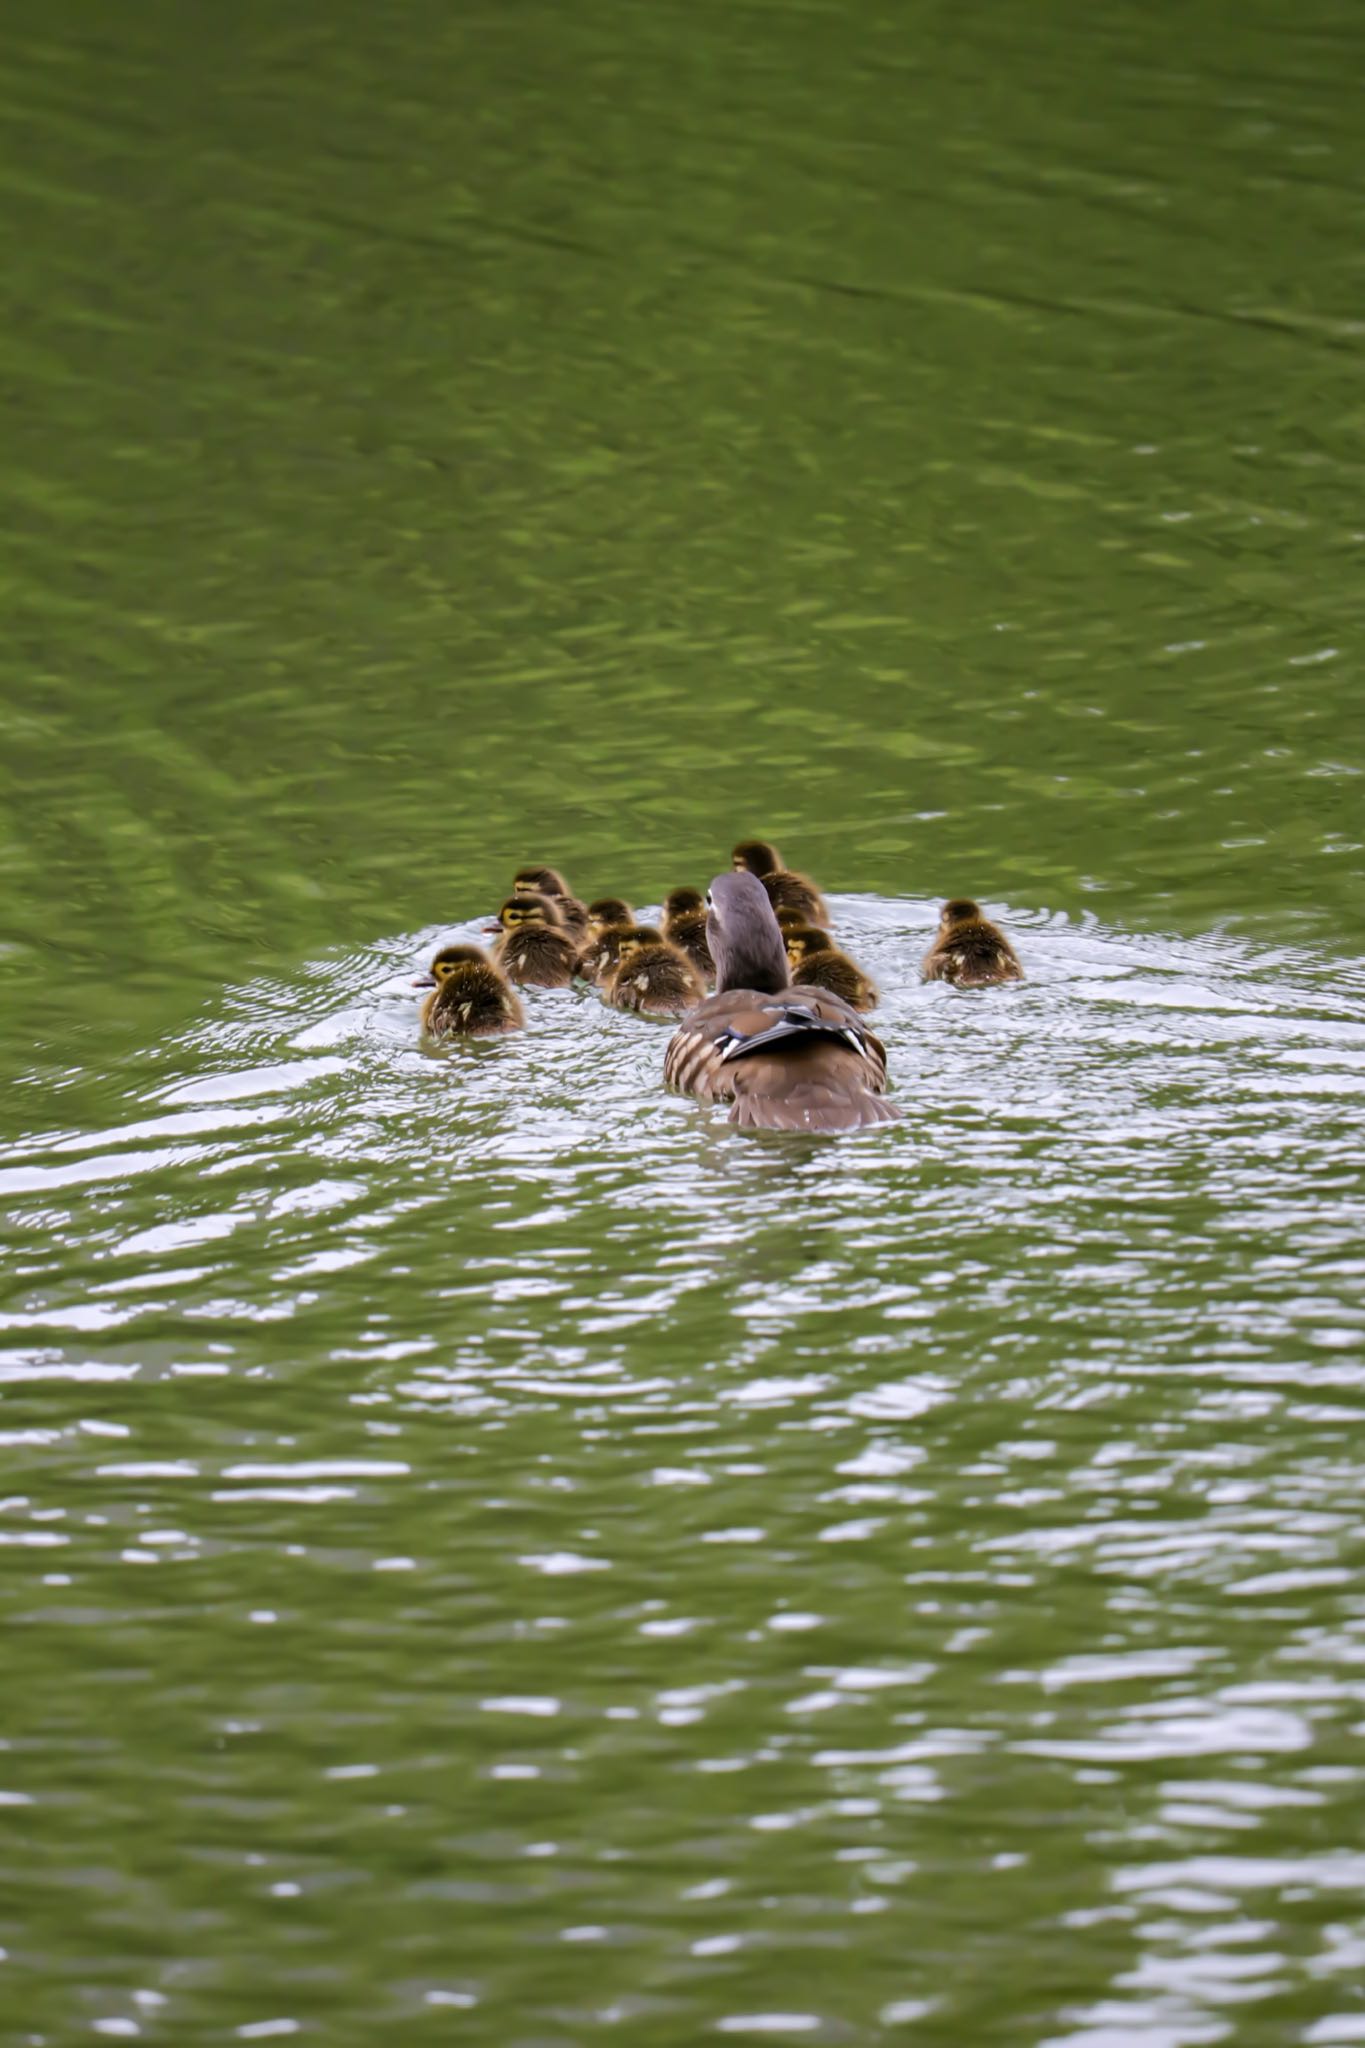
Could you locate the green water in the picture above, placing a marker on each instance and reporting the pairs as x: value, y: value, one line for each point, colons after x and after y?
x: 485, y: 1553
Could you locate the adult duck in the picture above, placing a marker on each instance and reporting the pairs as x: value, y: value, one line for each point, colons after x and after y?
x: 786, y: 1059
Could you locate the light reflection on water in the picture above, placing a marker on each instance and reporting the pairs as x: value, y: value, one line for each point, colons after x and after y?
x: 618, y: 1562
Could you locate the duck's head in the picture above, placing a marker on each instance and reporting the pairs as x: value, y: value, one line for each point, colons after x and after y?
x: 679, y: 902
x: 743, y: 937
x: 789, y: 920
x: 527, y: 908
x: 803, y: 940
x: 961, y: 910
x: 448, y: 961
x: 639, y: 935
x: 756, y: 857
x: 533, y: 881
x: 606, y: 911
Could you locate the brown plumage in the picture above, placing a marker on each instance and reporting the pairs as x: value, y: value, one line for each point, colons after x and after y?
x: 469, y: 998
x: 816, y: 962
x: 787, y: 1059
x: 653, y: 978
x: 533, y: 881
x: 597, y: 960
x: 608, y: 910
x: 969, y: 950
x: 535, y: 947
x: 786, y: 889
x: 685, y: 927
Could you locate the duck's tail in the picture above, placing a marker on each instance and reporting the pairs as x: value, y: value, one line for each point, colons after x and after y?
x: 807, y: 1086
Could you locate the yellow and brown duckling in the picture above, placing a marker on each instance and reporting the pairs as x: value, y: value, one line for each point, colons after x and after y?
x: 684, y: 926
x: 535, y: 946
x: 469, y: 998
x: 969, y: 950
x: 604, y: 911
x: 597, y: 960
x: 534, y: 881
x: 816, y: 962
x: 786, y: 889
x: 652, y: 977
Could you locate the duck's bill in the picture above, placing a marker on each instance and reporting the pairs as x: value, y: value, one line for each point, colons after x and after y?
x: 424, y: 981
x: 492, y: 931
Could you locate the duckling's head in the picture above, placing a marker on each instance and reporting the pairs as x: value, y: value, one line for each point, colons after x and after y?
x: 789, y: 920
x: 639, y: 935
x: 757, y: 857
x: 446, y: 963
x: 679, y: 902
x: 961, y: 910
x: 608, y: 910
x: 540, y: 882
x: 802, y: 940
x: 527, y: 908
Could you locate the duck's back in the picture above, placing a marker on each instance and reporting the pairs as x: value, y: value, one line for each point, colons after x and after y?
x: 799, y: 1060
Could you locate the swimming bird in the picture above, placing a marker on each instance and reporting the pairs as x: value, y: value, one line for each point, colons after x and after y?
x: 608, y: 910
x: 816, y: 962
x: 684, y: 925
x: 652, y: 977
x: 597, y: 960
x: 787, y: 1059
x: 786, y: 889
x: 533, y: 881
x: 469, y: 998
x: 535, y: 947
x: 968, y: 949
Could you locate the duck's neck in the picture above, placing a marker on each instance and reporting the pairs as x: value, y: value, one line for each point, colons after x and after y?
x: 752, y: 957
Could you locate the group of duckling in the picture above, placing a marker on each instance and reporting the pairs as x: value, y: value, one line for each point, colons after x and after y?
x: 800, y: 1004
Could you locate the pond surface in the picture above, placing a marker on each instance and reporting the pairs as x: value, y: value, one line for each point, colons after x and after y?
x: 486, y: 1552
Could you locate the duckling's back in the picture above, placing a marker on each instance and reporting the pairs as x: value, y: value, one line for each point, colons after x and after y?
x: 658, y: 980
x: 542, y: 955
x: 473, y: 1002
x: 841, y: 976
x: 973, y: 955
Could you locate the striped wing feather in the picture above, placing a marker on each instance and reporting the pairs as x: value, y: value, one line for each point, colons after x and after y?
x: 799, y: 1061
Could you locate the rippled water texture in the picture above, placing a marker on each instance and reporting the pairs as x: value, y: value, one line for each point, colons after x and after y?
x: 487, y: 1552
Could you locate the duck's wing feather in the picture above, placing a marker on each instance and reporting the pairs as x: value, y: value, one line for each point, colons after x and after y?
x: 799, y: 1060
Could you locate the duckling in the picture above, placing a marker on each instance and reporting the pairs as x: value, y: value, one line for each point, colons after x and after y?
x: 816, y: 962
x: 535, y: 947
x: 469, y: 998
x: 532, y: 881
x: 652, y: 977
x: 685, y: 927
x: 608, y: 910
x: 786, y: 890
x: 597, y: 960
x: 968, y: 949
